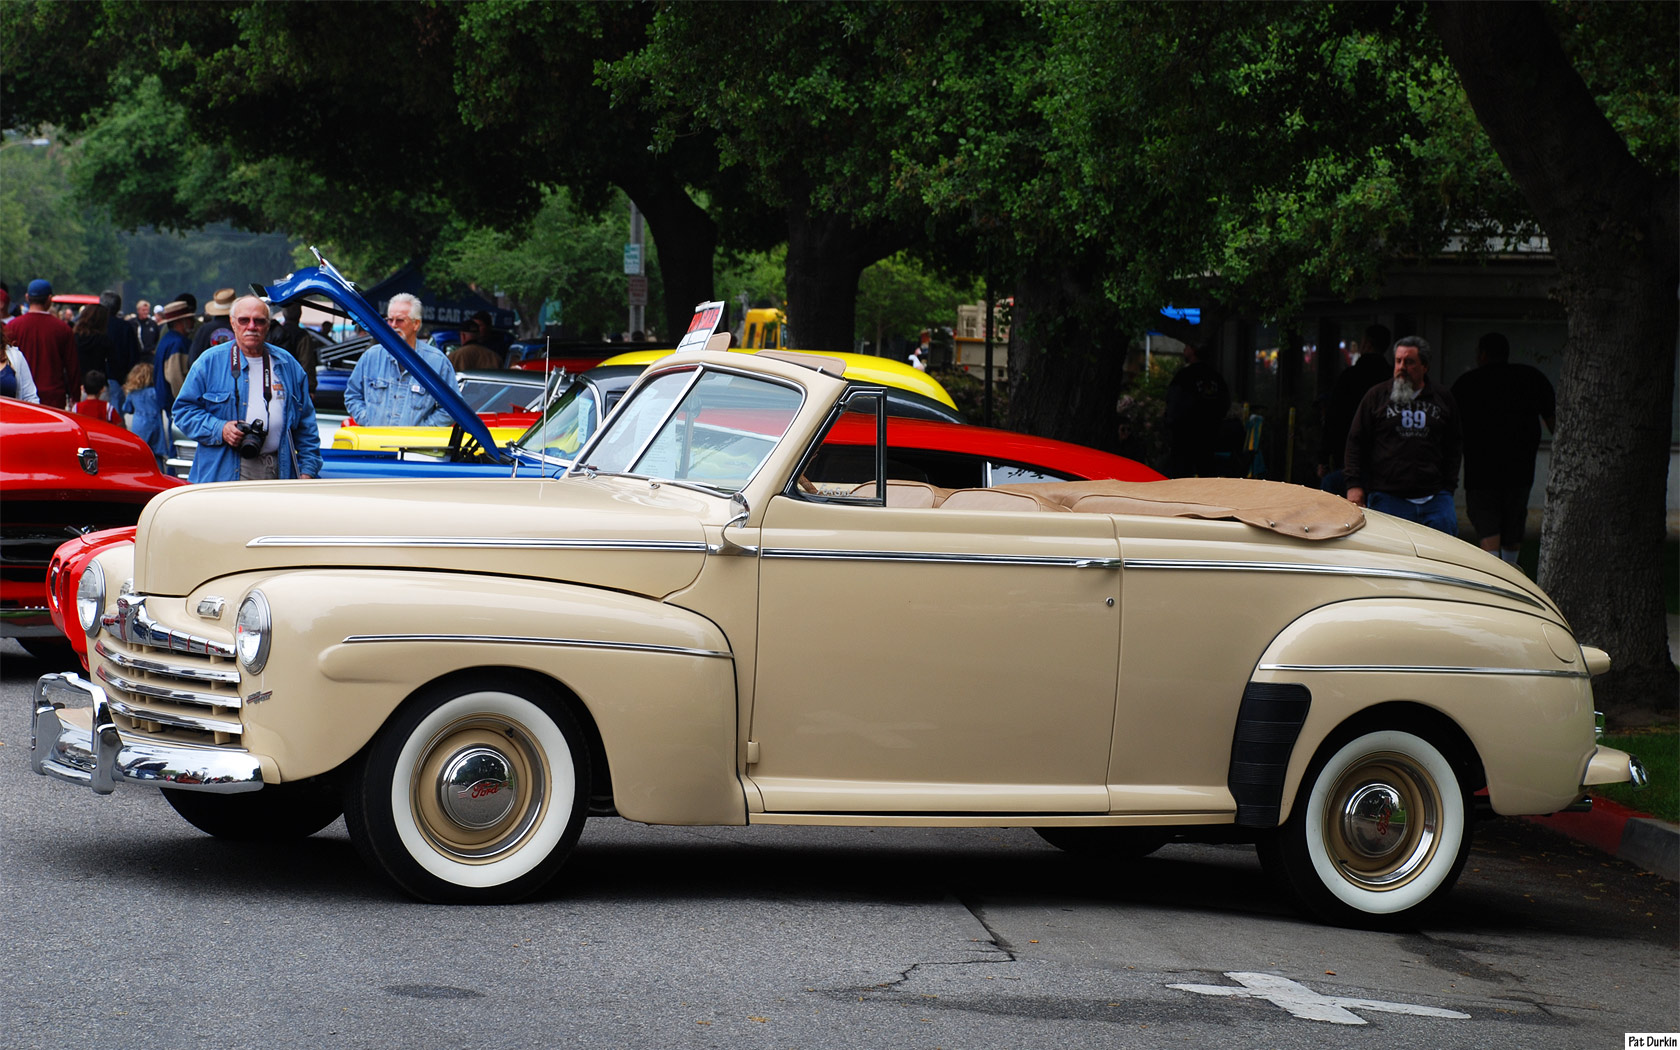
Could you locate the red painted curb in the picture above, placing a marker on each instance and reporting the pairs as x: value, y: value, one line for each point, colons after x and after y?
x: 1601, y: 828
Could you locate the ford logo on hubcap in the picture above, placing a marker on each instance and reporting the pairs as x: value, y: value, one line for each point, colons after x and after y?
x: 476, y: 787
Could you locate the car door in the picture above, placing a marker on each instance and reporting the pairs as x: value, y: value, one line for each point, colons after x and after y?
x: 938, y: 660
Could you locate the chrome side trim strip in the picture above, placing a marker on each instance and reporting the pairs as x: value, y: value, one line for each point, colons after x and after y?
x: 561, y: 643
x: 933, y: 558
x: 198, y: 674
x: 1533, y: 672
x: 132, y: 624
x: 1320, y: 569
x: 175, y: 696
x: 487, y: 542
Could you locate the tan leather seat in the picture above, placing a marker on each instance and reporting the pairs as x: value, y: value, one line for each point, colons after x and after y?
x: 913, y: 494
x: 999, y: 499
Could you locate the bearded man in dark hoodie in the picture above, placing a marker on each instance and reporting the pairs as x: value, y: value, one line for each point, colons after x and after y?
x: 1405, y: 444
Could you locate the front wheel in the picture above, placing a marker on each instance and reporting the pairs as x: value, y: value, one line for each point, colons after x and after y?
x: 1380, y: 831
x: 474, y: 793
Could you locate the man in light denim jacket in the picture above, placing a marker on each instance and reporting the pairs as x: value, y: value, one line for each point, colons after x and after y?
x: 381, y: 393
x: 232, y: 386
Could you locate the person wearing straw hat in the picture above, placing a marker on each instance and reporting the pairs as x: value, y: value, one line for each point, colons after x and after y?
x: 169, y: 361
x: 216, y: 329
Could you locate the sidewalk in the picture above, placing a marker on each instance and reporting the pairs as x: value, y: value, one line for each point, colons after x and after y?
x: 1638, y: 838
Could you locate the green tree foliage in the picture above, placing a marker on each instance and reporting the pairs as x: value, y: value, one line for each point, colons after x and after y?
x: 45, y: 230
x: 759, y: 278
x: 898, y: 297
x: 831, y: 113
x: 563, y: 253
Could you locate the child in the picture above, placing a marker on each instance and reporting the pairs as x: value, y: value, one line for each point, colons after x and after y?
x: 94, y: 404
x: 141, y: 402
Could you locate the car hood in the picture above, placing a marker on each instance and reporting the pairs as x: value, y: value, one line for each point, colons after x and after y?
x: 605, y: 532
x: 49, y: 453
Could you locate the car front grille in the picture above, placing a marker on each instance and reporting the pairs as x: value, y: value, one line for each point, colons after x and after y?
x: 166, y: 683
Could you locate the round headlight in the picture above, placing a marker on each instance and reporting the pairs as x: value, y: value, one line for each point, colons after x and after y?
x: 251, y: 632
x: 90, y: 598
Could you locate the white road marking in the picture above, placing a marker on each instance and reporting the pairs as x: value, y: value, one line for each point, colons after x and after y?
x: 1307, y: 1004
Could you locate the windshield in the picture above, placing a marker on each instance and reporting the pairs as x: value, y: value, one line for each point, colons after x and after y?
x: 709, y: 427
x: 485, y: 394
x: 569, y: 421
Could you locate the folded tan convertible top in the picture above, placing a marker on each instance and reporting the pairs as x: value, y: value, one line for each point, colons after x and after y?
x: 1289, y: 510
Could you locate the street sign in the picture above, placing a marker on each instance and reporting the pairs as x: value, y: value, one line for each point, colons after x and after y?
x: 632, y: 258
x: 638, y: 290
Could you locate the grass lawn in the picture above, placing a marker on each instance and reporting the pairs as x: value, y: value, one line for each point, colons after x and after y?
x: 1659, y: 749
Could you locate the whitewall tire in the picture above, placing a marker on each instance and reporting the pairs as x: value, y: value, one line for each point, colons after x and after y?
x: 1379, y: 832
x: 475, y: 793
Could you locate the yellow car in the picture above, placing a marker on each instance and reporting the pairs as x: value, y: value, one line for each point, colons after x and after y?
x: 860, y: 368
x: 391, y: 439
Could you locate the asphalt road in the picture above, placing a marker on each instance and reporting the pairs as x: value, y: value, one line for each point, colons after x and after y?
x: 121, y: 926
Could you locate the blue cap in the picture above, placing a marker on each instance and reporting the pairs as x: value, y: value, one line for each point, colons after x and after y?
x: 40, y: 288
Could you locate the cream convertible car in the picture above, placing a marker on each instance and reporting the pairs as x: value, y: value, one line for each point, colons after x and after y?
x: 684, y: 631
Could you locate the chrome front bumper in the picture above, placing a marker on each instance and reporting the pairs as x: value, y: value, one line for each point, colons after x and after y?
x: 72, y: 737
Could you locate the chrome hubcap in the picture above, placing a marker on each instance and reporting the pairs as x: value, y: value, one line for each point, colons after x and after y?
x: 1374, y: 820
x: 477, y: 788
x: 1382, y: 821
x: 477, y: 791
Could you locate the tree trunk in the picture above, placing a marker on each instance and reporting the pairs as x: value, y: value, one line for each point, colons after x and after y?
x: 826, y: 255
x: 1612, y: 227
x: 1066, y: 367
x: 687, y: 240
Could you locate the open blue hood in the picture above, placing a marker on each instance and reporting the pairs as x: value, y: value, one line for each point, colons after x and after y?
x: 324, y: 279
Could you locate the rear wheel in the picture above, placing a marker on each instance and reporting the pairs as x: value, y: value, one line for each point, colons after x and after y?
x: 473, y: 793
x: 276, y: 813
x: 1128, y: 843
x: 1380, y: 831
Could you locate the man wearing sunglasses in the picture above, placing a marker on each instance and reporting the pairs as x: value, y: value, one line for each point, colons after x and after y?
x: 381, y: 393
x: 247, y: 405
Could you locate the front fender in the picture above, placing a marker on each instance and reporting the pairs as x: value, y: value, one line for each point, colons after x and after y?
x: 1515, y: 684
x: 349, y: 647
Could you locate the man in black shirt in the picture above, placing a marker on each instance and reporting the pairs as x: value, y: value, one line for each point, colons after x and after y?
x: 1503, y: 406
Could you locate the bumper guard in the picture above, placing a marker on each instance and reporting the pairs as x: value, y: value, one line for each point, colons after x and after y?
x: 95, y: 755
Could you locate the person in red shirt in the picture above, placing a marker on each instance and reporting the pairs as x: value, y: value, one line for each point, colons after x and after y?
x: 48, y: 346
x: 93, y: 403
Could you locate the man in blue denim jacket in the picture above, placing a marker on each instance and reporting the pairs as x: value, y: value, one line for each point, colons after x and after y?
x: 381, y: 393
x: 239, y: 382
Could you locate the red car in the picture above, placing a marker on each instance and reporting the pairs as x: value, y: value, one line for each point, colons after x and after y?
x: 61, y: 476
x: 958, y: 456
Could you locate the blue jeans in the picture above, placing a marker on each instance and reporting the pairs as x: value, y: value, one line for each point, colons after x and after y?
x: 1438, y: 513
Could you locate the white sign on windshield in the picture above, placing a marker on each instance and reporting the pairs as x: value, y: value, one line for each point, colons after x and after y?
x: 707, y: 316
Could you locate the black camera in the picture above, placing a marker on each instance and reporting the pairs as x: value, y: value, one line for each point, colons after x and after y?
x: 250, y: 437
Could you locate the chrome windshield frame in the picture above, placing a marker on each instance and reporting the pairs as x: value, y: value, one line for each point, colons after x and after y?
x: 581, y: 464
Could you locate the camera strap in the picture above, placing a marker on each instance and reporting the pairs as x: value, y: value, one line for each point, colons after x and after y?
x: 268, y: 376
